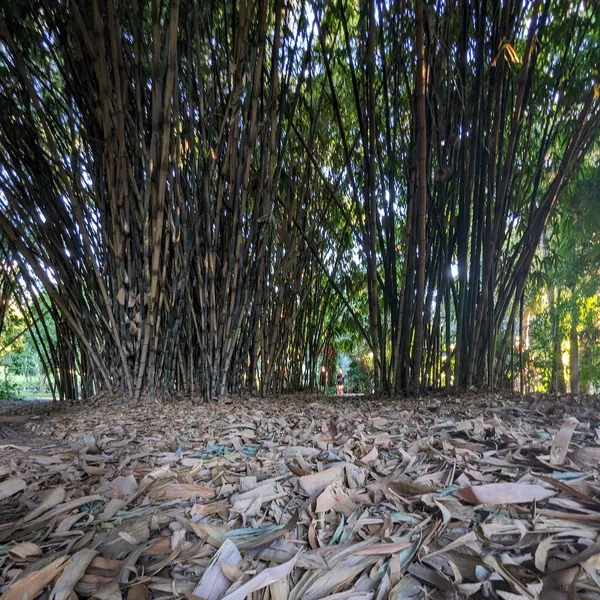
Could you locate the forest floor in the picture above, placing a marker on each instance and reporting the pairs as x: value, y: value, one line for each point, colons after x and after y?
x: 302, y: 498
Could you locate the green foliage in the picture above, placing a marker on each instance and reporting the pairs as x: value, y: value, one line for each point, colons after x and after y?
x: 358, y: 377
x: 11, y: 347
x: 19, y: 361
x: 359, y: 372
x: 589, y: 369
x: 8, y: 389
x: 539, y: 356
x: 569, y: 262
x: 14, y: 323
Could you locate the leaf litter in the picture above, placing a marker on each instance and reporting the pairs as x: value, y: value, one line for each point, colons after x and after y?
x: 304, y: 498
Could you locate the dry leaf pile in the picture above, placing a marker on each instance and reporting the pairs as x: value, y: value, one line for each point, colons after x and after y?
x: 302, y: 499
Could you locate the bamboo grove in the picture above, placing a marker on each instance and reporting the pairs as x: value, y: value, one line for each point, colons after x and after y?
x: 198, y: 192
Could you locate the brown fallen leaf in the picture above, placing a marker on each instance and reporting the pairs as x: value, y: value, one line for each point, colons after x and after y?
x: 138, y: 591
x: 315, y: 584
x: 497, y: 494
x: 11, y: 486
x: 72, y: 573
x: 231, y: 572
x: 33, y: 583
x: 107, y: 564
x: 567, y: 489
x: 112, y: 508
x: 24, y: 550
x: 409, y: 489
x: 124, y: 486
x: 203, y: 510
x: 53, y: 499
x: 541, y: 553
x: 560, y: 445
x: 214, y: 582
x: 280, y: 590
x: 64, y: 508
x: 181, y: 491
x: 384, y: 549
x: 262, y: 580
x: 317, y: 482
x: 110, y: 591
x: 371, y: 457
x: 158, y: 547
x: 352, y: 532
x: 587, y: 456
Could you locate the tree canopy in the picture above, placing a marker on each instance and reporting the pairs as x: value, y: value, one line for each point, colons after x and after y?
x: 197, y: 194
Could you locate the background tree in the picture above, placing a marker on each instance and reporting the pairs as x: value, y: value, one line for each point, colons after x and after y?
x: 568, y: 287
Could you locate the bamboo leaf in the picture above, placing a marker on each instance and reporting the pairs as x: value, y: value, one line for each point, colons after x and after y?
x: 34, y: 583
x: 497, y: 494
x: 11, y: 486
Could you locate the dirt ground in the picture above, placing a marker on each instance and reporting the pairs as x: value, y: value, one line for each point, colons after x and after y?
x: 302, y: 497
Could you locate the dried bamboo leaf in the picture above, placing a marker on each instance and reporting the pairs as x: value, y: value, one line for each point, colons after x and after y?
x: 541, y: 553
x: 181, y: 491
x: 408, y: 489
x: 560, y: 445
x: 262, y: 580
x: 108, y: 592
x: 497, y: 494
x: 112, y: 508
x: 319, y: 586
x: 11, y: 486
x: 214, y: 582
x: 357, y: 511
x: 56, y: 496
x: 138, y: 591
x: 317, y: 482
x: 71, y: 574
x: 24, y: 550
x: 32, y: 584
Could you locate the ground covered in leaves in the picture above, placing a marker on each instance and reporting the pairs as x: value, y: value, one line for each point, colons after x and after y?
x: 303, y: 498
